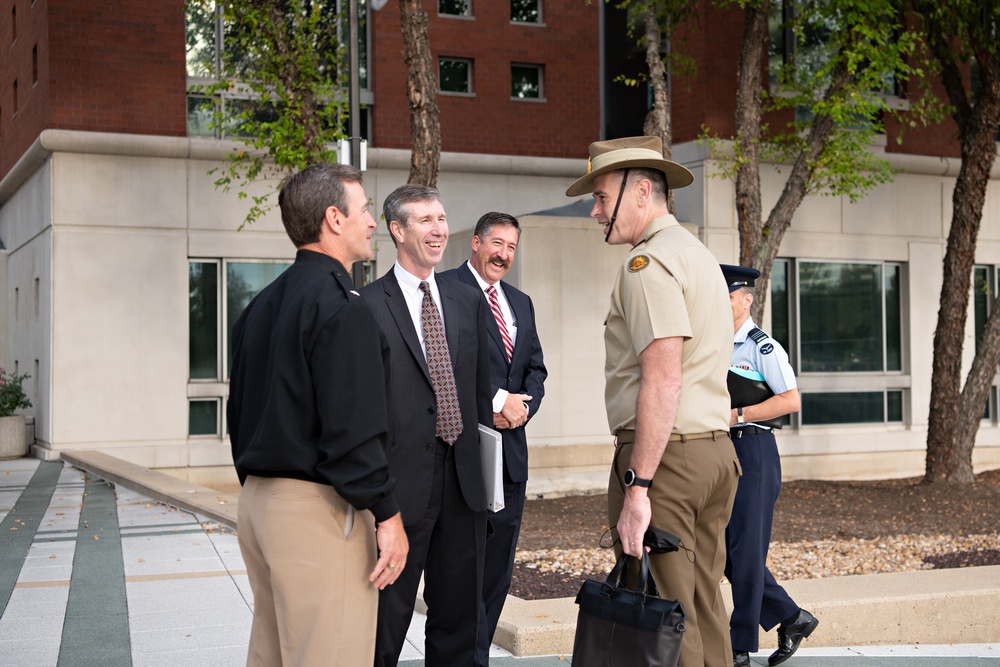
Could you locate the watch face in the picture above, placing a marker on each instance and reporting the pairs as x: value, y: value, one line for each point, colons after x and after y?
x: 629, y: 477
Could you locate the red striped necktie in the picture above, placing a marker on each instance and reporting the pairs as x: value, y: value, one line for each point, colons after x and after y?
x: 508, y: 344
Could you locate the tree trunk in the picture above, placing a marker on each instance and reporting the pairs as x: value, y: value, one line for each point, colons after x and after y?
x: 657, y: 123
x: 748, y: 131
x: 421, y: 92
x: 954, y: 418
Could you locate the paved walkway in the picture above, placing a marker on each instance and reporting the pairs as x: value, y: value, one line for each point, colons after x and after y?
x: 93, y: 574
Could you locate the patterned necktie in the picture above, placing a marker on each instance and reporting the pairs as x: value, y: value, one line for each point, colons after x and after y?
x: 508, y: 344
x: 449, y: 414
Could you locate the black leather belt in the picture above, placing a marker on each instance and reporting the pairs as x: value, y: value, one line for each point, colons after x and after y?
x: 749, y: 430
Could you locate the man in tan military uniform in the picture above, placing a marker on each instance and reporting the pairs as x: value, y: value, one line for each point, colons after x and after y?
x: 668, y: 339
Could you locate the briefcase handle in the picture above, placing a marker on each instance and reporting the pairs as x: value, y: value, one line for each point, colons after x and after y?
x: 618, y: 577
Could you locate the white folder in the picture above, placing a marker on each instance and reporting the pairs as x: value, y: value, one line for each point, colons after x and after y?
x: 491, y: 446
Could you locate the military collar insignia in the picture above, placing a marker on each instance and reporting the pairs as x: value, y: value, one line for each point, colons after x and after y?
x: 638, y: 263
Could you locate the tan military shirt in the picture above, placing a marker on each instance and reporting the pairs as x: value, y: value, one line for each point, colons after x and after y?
x: 670, y: 285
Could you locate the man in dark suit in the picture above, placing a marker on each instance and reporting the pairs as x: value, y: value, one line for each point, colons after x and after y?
x: 517, y: 376
x: 438, y: 386
x: 308, y: 427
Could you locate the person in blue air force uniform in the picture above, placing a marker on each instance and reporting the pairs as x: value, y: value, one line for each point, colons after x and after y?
x: 762, y: 387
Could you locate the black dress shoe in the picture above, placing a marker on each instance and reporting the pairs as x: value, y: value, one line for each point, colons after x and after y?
x: 741, y: 659
x: 790, y: 635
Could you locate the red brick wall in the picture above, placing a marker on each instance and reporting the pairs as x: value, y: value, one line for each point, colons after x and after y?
x: 21, y: 125
x: 102, y: 67
x: 118, y: 67
x: 490, y: 122
x: 708, y: 95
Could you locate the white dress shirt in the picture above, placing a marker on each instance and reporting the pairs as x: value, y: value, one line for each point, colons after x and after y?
x: 508, y: 317
x: 410, y: 285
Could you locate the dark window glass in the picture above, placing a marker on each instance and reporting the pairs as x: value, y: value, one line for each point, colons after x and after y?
x: 203, y: 417
x: 524, y: 11
x: 893, y: 319
x: 526, y: 81
x: 853, y: 407
x: 841, y: 317
x: 981, y: 298
x: 779, y: 305
x: 455, y: 7
x: 203, y: 318
x: 455, y: 75
x: 244, y: 280
x: 894, y: 406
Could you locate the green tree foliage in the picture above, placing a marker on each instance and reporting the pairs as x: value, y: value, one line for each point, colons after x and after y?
x: 832, y: 90
x: 280, y: 77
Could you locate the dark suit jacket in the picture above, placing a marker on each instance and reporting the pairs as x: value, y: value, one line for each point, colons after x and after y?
x: 525, y: 372
x: 411, y: 400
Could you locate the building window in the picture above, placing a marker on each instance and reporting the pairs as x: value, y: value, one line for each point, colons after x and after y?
x: 455, y: 7
x: 218, y: 292
x: 842, y: 325
x: 841, y: 313
x: 210, y: 45
x: 798, y: 42
x: 455, y: 75
x: 203, y: 416
x: 526, y: 11
x: 526, y: 82
x: 984, y: 290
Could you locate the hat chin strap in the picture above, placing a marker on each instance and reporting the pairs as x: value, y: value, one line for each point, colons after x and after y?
x: 614, y: 214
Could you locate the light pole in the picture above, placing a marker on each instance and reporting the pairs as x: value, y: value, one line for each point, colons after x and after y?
x: 354, y: 97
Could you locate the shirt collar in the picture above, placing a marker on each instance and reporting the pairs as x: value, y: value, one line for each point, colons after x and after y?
x: 657, y: 225
x: 479, y: 279
x: 410, y: 282
x: 741, y: 333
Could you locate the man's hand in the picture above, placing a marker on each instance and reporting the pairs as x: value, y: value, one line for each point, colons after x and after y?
x: 514, y: 410
x: 634, y: 520
x: 392, y: 550
x: 499, y: 421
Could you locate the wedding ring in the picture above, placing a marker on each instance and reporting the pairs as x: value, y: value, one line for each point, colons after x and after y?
x: 391, y: 566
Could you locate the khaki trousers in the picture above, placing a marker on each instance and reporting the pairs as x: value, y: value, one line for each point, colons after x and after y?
x: 691, y: 497
x: 308, y: 555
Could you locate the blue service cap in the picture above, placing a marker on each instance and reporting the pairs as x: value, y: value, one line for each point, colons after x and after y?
x: 739, y: 276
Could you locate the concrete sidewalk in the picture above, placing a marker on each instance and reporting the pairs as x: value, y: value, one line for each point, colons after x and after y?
x: 92, y: 573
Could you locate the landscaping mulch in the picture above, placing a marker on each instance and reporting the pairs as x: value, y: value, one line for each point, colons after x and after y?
x: 821, y: 529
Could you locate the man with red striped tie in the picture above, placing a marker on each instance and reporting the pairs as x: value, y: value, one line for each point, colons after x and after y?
x: 517, y: 374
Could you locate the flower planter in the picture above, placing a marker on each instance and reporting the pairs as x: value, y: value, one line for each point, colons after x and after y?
x: 12, y: 440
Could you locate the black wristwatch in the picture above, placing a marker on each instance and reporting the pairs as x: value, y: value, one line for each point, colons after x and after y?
x: 631, y: 480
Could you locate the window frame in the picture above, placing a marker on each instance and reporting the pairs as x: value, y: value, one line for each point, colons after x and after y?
x: 825, y: 382
x: 238, y: 91
x: 217, y: 388
x: 539, y: 22
x: 896, y: 99
x: 448, y: 15
x: 540, y: 69
x: 469, y: 76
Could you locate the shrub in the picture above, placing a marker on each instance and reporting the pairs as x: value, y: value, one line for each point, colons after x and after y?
x: 12, y: 396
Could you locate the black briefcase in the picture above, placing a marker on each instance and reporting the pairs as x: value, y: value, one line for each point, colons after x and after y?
x: 620, y: 627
